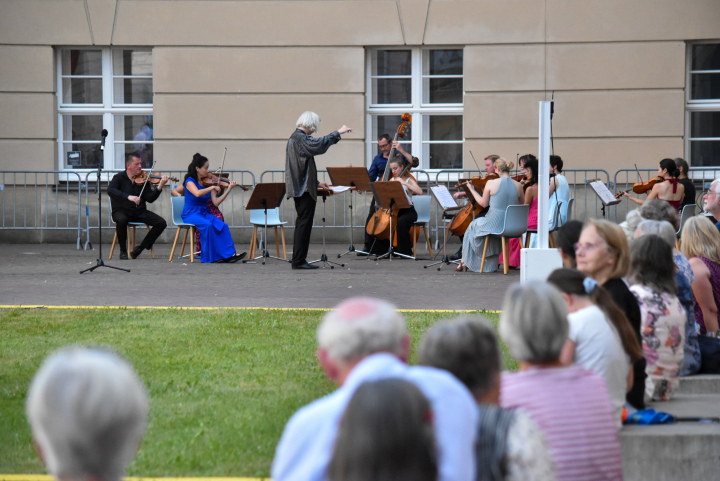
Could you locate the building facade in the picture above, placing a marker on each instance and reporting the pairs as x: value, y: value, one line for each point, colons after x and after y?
x: 633, y: 81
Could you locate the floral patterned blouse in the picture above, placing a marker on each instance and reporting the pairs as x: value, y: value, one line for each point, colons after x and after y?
x: 663, y: 339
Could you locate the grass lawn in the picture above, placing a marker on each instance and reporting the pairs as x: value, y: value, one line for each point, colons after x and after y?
x: 222, y: 382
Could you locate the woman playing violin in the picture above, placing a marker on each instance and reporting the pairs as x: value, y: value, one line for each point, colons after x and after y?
x: 667, y: 189
x: 498, y: 194
x: 212, y: 207
x: 215, y: 235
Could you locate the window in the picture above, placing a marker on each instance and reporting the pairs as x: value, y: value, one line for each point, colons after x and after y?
x: 428, y: 84
x: 703, y: 105
x: 104, y: 89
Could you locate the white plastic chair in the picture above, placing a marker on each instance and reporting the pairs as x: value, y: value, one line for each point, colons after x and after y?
x: 177, y: 204
x: 687, y: 212
x: 568, y: 211
x: 516, y: 222
x: 257, y: 219
x: 422, y: 207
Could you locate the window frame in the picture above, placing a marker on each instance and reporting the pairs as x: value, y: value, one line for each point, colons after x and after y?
x: 109, y: 109
x: 417, y: 109
x: 699, y: 105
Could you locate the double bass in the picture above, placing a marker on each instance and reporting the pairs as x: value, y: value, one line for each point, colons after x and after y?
x: 379, y: 224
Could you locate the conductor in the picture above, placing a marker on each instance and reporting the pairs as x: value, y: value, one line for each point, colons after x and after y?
x: 301, y: 179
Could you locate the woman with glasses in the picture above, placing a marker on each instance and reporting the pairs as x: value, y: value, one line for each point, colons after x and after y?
x: 602, y: 253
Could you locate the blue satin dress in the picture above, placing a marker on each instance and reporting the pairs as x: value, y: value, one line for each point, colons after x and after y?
x: 215, y: 236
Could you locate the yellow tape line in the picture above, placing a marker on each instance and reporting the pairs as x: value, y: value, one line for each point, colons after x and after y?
x: 39, y: 306
x: 47, y: 477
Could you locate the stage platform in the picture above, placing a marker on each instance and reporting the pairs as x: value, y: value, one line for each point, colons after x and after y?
x: 48, y: 275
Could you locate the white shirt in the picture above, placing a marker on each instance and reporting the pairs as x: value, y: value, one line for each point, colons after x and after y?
x: 306, y: 446
x: 598, y: 348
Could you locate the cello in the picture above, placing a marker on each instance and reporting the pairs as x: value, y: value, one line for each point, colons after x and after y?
x: 379, y: 224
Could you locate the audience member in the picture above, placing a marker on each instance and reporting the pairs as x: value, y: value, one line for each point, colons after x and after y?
x: 88, y: 410
x: 711, y: 201
x: 571, y: 404
x: 510, y: 445
x: 362, y: 340
x: 684, y: 278
x: 663, y: 317
x: 657, y: 209
x: 602, y: 253
x: 385, y: 434
x: 601, y: 338
x: 565, y: 239
x: 701, y: 245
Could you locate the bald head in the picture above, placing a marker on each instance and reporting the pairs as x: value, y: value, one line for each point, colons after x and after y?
x: 361, y: 326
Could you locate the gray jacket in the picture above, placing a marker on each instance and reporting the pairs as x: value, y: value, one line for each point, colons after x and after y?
x: 300, y: 170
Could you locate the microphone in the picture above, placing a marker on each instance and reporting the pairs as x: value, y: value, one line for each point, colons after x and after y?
x: 104, y: 134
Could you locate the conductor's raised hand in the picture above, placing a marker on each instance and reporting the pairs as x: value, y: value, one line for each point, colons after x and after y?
x: 344, y: 129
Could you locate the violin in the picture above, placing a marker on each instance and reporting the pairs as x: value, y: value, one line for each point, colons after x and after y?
x: 379, y: 223
x: 151, y: 178
x: 642, y: 187
x: 221, y: 181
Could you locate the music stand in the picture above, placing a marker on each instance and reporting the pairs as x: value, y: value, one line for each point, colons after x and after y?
x: 324, y: 193
x: 357, y: 178
x: 266, y: 196
x: 99, y: 262
x: 391, y: 195
x: 603, y: 193
x: 446, y: 201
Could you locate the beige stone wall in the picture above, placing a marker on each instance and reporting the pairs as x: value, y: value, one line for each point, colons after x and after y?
x: 237, y: 74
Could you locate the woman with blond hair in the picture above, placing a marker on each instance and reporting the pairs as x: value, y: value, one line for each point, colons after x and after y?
x: 498, y: 194
x: 602, y: 253
x: 701, y: 245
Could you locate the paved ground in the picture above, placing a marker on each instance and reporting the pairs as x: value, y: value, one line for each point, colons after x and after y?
x: 48, y: 274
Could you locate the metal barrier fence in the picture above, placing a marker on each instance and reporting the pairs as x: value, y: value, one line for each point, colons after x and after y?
x: 45, y: 204
x: 232, y: 208
x: 51, y: 200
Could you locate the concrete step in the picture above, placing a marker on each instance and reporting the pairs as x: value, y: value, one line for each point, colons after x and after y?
x: 700, y: 384
x: 665, y: 452
x: 684, y: 450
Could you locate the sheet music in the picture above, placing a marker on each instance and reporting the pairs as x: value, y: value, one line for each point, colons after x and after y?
x: 604, y: 193
x: 444, y: 197
x: 338, y: 189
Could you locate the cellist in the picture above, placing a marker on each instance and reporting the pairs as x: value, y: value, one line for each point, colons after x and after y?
x: 490, y: 169
x: 405, y: 217
x: 385, y: 144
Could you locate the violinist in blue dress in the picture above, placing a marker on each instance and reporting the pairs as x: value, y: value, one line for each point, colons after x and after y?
x: 215, y: 238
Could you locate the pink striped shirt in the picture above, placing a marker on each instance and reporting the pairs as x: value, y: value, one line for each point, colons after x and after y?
x: 572, y: 407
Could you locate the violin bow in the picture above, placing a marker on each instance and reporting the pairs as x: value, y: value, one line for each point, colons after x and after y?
x: 638, y: 173
x: 473, y: 157
x: 222, y: 166
x: 147, y: 178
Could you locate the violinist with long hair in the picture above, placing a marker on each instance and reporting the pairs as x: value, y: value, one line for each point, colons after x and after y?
x: 128, y: 200
x: 667, y: 188
x: 215, y: 237
x: 179, y: 191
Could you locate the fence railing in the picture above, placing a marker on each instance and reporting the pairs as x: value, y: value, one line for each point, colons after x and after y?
x: 53, y: 200
x: 36, y: 200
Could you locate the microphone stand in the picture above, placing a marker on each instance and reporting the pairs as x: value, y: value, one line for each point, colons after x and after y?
x: 100, y: 262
